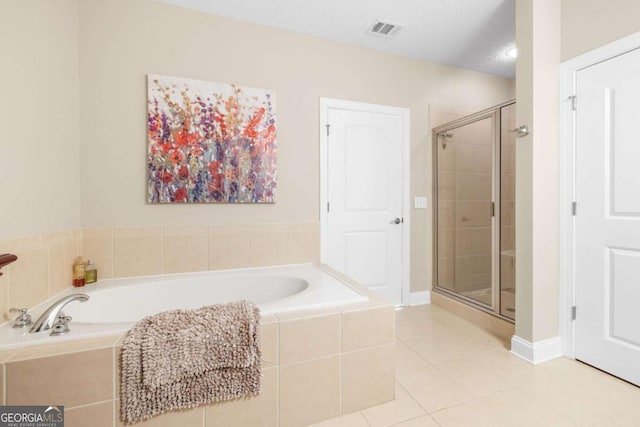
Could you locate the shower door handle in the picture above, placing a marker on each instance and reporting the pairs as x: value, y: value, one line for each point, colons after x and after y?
x: 396, y: 221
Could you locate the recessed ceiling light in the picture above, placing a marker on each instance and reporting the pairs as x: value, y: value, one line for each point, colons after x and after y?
x: 512, y: 52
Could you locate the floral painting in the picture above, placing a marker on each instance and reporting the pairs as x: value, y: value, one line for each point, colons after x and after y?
x: 210, y: 142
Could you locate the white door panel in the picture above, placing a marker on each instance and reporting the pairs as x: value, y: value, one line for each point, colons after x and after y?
x: 607, y: 332
x: 365, y: 171
x: 364, y: 152
x: 368, y: 248
x: 624, y: 266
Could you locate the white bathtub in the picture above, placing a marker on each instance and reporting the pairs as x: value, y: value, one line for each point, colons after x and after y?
x: 114, y: 305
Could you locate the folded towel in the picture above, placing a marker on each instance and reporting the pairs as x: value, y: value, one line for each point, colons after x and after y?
x: 185, y: 358
x: 179, y: 343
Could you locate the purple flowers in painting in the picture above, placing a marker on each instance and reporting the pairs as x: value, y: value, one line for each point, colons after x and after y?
x: 210, y: 142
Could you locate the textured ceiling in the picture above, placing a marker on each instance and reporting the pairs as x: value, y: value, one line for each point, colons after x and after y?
x: 471, y: 34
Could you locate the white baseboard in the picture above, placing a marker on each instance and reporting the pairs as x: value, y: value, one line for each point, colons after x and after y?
x: 419, y: 298
x: 538, y: 352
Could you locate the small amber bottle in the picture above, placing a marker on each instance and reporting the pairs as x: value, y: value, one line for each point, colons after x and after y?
x: 78, y: 272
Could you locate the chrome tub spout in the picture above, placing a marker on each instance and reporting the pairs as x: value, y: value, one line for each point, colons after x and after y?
x: 49, y: 317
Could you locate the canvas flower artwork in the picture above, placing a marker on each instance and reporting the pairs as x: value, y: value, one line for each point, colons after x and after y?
x: 210, y: 142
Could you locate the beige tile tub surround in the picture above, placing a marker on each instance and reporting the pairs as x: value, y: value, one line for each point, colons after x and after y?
x: 293, y: 243
x: 368, y: 377
x: 97, y: 245
x: 29, y: 278
x: 269, y: 339
x: 318, y: 364
x: 44, y: 266
x: 136, y: 251
x: 323, y: 326
x: 186, y: 249
x: 74, y: 379
x: 337, y: 350
x: 96, y: 415
x: 367, y: 328
x: 309, y: 391
x: 229, y: 246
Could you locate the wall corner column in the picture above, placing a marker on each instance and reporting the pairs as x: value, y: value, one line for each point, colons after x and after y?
x: 537, y: 180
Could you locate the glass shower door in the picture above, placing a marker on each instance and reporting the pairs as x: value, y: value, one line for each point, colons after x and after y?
x: 465, y: 189
x: 474, y: 217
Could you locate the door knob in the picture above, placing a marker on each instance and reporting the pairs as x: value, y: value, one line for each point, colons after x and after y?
x: 395, y: 221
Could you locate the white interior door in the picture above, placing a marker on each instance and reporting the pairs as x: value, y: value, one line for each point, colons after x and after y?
x: 364, y: 221
x: 607, y: 277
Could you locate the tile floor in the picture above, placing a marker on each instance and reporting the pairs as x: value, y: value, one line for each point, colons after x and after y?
x: 451, y: 373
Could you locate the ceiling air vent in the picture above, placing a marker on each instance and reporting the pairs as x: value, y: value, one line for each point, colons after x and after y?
x: 384, y: 29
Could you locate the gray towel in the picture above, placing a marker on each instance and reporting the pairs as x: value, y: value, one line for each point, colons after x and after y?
x: 185, y: 358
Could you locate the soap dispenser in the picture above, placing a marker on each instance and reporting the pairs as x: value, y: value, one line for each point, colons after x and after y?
x: 78, y: 272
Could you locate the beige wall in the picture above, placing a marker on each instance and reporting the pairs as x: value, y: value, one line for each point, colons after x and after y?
x: 61, y: 163
x: 588, y: 24
x: 537, y: 176
x: 547, y: 35
x: 122, y: 41
x: 39, y: 146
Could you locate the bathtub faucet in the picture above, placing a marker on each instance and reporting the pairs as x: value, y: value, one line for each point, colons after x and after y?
x: 50, y: 315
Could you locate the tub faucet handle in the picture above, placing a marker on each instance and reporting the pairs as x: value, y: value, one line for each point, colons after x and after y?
x: 23, y: 320
x: 61, y: 326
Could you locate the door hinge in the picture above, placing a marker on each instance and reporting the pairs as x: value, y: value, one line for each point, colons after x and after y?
x: 327, y: 126
x: 493, y: 208
x: 574, y: 102
x: 573, y: 313
x: 328, y: 207
x: 574, y: 208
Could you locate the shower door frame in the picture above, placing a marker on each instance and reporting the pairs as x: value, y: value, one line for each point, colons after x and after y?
x: 496, y: 291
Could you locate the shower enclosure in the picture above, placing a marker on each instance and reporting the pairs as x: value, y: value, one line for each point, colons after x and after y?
x: 474, y: 210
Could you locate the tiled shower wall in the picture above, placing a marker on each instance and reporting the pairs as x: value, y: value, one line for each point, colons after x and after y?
x: 464, y: 208
x: 45, y: 262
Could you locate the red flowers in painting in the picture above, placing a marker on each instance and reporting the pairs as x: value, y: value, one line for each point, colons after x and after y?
x: 214, y: 168
x: 185, y: 138
x: 183, y: 172
x: 176, y: 156
x: 180, y: 194
x: 166, y: 177
x: 250, y: 131
x: 210, y: 143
